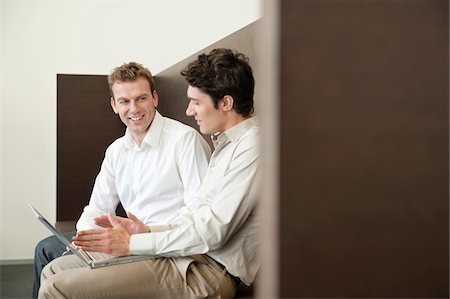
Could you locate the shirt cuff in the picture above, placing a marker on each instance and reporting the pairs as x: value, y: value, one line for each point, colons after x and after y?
x: 82, y: 224
x: 158, y: 228
x: 142, y: 244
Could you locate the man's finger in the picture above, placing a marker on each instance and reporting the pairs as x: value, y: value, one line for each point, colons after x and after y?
x: 103, y: 223
x: 131, y: 216
x: 93, y: 248
x: 102, y: 218
x: 89, y: 232
x: 89, y: 241
x: 112, y: 219
x: 87, y: 238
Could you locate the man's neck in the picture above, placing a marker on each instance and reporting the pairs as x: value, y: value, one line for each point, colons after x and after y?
x: 234, y: 120
x: 138, y: 139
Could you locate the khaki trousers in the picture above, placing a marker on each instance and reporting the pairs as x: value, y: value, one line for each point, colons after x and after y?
x: 68, y: 277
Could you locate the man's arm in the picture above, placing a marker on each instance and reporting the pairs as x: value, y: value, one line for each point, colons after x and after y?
x: 192, y: 158
x: 205, y: 226
x: 210, y: 222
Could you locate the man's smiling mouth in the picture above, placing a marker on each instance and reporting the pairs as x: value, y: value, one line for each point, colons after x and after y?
x: 136, y: 118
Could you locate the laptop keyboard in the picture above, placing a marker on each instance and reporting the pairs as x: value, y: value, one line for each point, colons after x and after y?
x: 93, y: 256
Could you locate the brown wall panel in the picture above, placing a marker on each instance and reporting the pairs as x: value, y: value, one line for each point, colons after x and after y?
x: 364, y: 149
x: 86, y: 125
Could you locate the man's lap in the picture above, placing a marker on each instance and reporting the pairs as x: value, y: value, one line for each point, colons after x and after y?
x: 68, y: 276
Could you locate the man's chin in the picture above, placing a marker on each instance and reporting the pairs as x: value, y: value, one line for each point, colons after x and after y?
x: 204, y: 132
x: 139, y: 128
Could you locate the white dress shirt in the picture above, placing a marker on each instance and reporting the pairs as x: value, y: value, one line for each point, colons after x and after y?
x: 153, y: 181
x: 221, y: 220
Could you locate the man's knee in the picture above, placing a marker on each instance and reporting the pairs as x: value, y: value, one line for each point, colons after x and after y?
x: 48, y: 288
x: 44, y: 243
x: 50, y: 248
x: 47, y: 249
x: 49, y: 281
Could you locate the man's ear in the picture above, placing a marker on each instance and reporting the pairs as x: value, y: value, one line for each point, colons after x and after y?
x: 227, y: 103
x: 113, y: 105
x: 155, y: 98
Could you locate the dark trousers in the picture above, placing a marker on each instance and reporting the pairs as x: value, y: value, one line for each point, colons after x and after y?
x: 46, y: 251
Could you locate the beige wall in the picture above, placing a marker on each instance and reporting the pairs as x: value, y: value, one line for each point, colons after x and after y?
x: 43, y: 38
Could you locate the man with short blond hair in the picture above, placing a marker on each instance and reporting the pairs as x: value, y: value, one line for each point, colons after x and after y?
x: 154, y: 170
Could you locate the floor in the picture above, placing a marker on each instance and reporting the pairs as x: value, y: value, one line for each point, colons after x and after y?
x: 16, y: 281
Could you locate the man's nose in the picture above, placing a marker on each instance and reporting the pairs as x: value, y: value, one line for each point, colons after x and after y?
x: 189, y: 110
x: 133, y: 106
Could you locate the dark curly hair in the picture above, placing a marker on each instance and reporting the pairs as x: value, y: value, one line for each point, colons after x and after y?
x: 223, y: 72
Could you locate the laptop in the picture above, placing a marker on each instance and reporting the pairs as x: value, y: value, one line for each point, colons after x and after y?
x: 91, y: 259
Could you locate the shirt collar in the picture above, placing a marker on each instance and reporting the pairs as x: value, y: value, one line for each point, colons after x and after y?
x: 234, y: 133
x: 152, y: 138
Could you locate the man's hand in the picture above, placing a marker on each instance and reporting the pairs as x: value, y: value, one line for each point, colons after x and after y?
x: 114, y: 241
x: 131, y: 224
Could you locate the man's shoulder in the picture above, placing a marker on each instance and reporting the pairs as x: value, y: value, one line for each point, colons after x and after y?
x: 117, y: 144
x: 118, y: 141
x: 247, y: 132
x: 248, y: 141
x: 250, y: 138
x: 175, y: 127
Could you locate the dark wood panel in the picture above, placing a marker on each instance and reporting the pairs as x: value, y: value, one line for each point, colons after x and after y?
x: 86, y: 125
x: 364, y: 149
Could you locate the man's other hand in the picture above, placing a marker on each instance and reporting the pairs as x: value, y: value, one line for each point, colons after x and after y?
x: 131, y: 224
x: 114, y: 240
